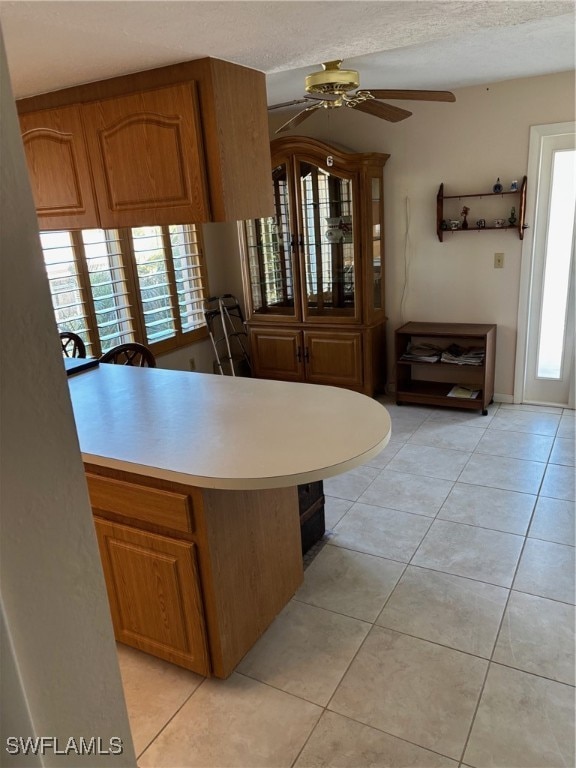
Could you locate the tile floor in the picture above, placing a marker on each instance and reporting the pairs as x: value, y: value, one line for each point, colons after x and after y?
x: 435, y: 626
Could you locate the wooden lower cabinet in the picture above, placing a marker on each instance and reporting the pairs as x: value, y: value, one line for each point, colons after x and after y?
x: 338, y: 357
x: 194, y: 576
x: 154, y: 594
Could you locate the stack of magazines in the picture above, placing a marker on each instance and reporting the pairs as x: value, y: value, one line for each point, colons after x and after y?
x: 422, y: 353
x: 463, y: 356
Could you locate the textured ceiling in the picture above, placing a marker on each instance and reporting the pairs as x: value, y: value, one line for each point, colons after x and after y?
x: 394, y: 43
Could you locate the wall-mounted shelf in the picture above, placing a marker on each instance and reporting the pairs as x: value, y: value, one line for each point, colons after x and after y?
x: 519, y: 227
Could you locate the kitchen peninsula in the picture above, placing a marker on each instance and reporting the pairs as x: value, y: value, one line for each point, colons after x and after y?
x: 193, y: 484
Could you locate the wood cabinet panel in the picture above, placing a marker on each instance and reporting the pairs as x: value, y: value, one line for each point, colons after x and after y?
x: 59, y: 169
x: 147, y: 158
x: 277, y: 354
x: 183, y: 143
x: 333, y: 358
x: 150, y: 505
x: 154, y: 594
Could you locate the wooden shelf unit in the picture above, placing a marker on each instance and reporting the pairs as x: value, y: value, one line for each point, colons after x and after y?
x: 519, y: 227
x: 429, y: 383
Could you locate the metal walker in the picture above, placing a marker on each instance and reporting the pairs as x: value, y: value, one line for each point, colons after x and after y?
x: 228, y: 335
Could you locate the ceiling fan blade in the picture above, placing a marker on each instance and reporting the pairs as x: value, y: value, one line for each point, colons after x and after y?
x: 287, y: 104
x: 385, y: 111
x: 299, y: 118
x: 308, y: 97
x: 413, y: 95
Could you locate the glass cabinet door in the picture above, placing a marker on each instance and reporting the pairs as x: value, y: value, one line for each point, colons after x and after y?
x: 326, y: 242
x: 377, y: 241
x: 270, y: 246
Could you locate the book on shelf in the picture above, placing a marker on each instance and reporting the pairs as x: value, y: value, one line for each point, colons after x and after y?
x: 463, y: 392
x: 462, y: 356
x: 422, y: 353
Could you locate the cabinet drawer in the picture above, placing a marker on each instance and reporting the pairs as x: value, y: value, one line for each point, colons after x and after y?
x: 150, y: 505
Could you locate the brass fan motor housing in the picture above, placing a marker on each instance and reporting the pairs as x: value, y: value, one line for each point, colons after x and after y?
x: 332, y: 79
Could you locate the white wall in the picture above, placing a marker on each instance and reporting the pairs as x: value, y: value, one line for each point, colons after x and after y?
x: 466, y: 145
x: 222, y: 258
x: 60, y: 670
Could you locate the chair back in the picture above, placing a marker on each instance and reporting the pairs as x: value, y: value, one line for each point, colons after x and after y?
x: 72, y: 344
x: 131, y: 353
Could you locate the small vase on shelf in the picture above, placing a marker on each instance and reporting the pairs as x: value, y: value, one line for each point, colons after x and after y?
x: 465, y: 212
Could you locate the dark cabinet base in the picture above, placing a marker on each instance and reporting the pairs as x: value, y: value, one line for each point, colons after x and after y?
x: 311, y: 506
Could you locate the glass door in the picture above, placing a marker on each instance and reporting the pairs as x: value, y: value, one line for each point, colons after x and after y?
x: 270, y: 245
x: 549, y: 371
x: 326, y: 243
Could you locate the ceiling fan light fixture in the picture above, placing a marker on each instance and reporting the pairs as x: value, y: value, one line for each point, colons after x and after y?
x: 332, y: 79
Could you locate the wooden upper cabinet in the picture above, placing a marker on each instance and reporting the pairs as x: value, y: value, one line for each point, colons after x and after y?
x: 146, y: 158
x: 59, y: 169
x: 186, y: 143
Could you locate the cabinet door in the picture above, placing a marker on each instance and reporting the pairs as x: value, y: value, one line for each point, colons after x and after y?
x: 334, y: 358
x: 58, y: 168
x: 154, y: 594
x: 269, y: 270
x: 277, y: 354
x: 146, y: 158
x: 328, y: 243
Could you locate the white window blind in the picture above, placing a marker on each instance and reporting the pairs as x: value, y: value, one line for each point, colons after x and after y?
x: 144, y: 284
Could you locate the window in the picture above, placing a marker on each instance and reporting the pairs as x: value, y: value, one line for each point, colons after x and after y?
x: 144, y: 284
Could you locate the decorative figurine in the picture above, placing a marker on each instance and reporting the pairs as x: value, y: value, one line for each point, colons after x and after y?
x: 464, y: 212
x: 481, y: 223
x: 497, y: 188
x: 514, y: 186
x: 512, y: 218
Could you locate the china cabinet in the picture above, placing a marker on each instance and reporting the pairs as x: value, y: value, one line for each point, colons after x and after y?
x: 314, y: 273
x: 448, y: 206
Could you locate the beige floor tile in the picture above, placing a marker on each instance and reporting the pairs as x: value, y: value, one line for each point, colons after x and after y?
x: 234, y: 723
x: 464, y: 417
x: 305, y: 651
x: 403, y: 427
x: 546, y: 569
x: 554, y: 521
x: 382, y: 532
x: 563, y: 451
x: 567, y: 424
x: 154, y: 691
x: 540, y: 423
x: 351, y: 583
x: 442, y: 463
x: 407, y: 493
x: 537, y: 636
x: 523, y: 721
x: 385, y: 456
x: 516, y: 445
x: 450, y: 610
x: 334, y: 510
x: 439, y: 435
x: 475, y: 553
x: 338, y: 742
x: 559, y: 482
x: 494, y: 508
x: 413, y: 689
x: 557, y: 410
x: 352, y: 484
x: 503, y: 472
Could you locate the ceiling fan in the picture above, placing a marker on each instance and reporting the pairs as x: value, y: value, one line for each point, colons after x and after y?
x: 334, y: 87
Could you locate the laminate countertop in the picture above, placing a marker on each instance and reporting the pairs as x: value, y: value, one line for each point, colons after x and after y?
x: 221, y: 431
